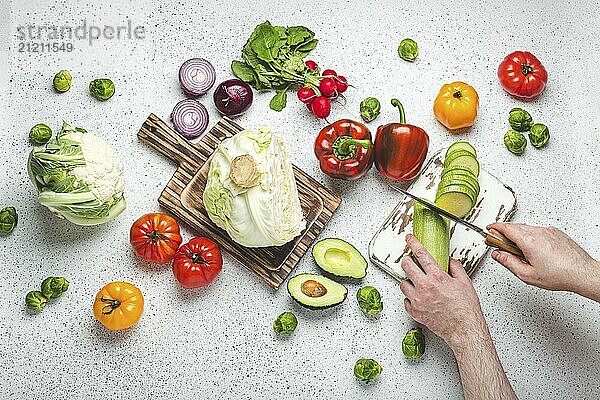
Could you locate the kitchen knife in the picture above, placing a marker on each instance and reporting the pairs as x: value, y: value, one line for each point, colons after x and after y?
x: 493, y: 238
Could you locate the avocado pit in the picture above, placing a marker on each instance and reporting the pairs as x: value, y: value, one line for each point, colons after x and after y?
x: 313, y: 288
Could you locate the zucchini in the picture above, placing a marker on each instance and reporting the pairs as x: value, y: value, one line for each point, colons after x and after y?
x: 461, y: 146
x: 433, y: 231
x: 455, y: 154
x: 456, y: 199
x: 468, y: 162
x: 459, y: 170
x: 458, y: 178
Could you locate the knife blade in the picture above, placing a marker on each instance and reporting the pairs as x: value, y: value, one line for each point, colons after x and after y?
x: 493, y: 238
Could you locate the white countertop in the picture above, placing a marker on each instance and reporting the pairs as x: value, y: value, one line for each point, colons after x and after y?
x: 218, y: 342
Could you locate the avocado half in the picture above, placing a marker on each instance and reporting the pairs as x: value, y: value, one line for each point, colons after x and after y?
x: 316, y: 291
x: 339, y: 258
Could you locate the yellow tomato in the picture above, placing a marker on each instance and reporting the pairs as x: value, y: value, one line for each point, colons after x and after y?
x: 456, y: 105
x: 119, y: 305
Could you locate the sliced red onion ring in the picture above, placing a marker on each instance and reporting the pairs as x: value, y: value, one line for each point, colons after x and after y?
x: 197, y: 76
x: 190, y: 118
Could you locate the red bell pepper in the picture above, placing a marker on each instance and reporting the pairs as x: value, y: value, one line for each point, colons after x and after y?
x: 400, y: 148
x: 344, y: 149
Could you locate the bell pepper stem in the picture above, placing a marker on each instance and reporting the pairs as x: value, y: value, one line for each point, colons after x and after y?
x: 396, y: 103
x: 344, y: 147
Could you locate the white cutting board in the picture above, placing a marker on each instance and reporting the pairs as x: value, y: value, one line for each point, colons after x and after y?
x: 496, y: 202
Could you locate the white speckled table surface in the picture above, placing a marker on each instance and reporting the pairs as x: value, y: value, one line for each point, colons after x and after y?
x: 218, y: 342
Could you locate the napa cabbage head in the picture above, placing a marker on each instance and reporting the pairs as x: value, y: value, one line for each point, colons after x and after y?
x: 78, y: 176
x: 251, y: 190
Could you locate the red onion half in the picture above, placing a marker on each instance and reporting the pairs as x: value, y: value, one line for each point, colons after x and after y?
x: 190, y: 118
x: 197, y: 76
x: 233, y: 97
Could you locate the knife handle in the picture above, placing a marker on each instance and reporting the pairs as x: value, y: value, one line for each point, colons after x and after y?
x: 499, y: 241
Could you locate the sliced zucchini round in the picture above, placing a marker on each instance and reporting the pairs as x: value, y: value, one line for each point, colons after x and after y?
x: 456, y: 202
x: 468, y: 162
x: 451, y: 180
x: 461, y: 146
x: 458, y: 170
x: 456, y: 154
x: 459, y: 188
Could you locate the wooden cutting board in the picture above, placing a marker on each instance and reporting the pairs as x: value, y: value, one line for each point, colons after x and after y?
x: 183, y: 198
x: 496, y: 202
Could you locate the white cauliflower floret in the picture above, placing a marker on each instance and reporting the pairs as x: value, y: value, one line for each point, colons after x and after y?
x: 103, y: 172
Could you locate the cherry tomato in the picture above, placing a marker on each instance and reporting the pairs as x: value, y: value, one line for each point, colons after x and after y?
x: 522, y: 75
x: 155, y: 237
x: 197, y: 263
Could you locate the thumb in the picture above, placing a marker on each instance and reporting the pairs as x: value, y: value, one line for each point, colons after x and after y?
x: 512, y: 263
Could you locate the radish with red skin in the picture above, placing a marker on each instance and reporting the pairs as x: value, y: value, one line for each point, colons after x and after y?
x: 306, y: 95
x: 321, y: 107
x: 341, y: 83
x: 311, y: 65
x: 328, y: 87
x: 329, y: 72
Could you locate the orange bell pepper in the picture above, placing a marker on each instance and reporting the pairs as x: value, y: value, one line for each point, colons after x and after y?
x: 119, y: 305
x: 456, y: 105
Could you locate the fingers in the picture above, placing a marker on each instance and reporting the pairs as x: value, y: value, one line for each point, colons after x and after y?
x: 515, y: 232
x: 408, y: 307
x: 513, y: 264
x: 408, y: 289
x: 426, y: 260
x: 457, y: 271
x: 412, y: 270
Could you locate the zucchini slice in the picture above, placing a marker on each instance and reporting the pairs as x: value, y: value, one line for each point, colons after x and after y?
x: 461, y: 146
x: 468, y: 162
x: 458, y: 178
x: 456, y: 199
x: 433, y: 231
x: 455, y: 154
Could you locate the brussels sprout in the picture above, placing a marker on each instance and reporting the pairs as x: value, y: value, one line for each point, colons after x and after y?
x: 515, y: 142
x: 62, y: 81
x: 35, y: 300
x: 102, y: 89
x: 369, y: 300
x: 519, y: 119
x: 53, y: 287
x: 539, y: 135
x: 40, y: 134
x: 370, y: 109
x: 285, y: 324
x: 413, y: 345
x: 8, y: 220
x: 408, y: 49
x: 367, y: 369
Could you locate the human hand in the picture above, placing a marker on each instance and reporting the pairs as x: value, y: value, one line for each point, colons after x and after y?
x: 447, y: 304
x: 554, y: 260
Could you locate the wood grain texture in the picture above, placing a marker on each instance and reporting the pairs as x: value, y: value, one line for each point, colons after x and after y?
x: 183, y: 198
x: 496, y: 202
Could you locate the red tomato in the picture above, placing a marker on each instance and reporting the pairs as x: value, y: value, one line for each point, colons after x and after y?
x: 522, y: 74
x: 197, y: 263
x: 155, y: 237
